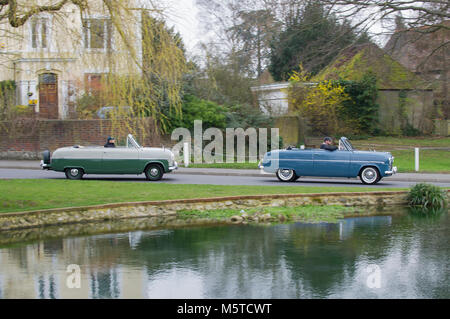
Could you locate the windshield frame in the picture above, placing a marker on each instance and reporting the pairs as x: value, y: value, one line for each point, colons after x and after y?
x: 347, y: 144
x: 131, y: 141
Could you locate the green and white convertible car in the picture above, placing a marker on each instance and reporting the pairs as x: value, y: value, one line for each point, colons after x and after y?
x: 77, y: 160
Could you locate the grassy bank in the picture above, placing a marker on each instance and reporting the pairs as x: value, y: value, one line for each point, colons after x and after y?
x: 306, y: 213
x: 431, y: 161
x: 23, y: 195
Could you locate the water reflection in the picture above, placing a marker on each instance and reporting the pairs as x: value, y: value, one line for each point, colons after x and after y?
x: 281, y: 261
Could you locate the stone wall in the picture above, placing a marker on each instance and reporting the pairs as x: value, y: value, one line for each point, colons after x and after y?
x: 398, y: 108
x: 25, y: 139
x: 8, y: 237
x: 292, y: 129
x: 11, y: 221
x: 442, y: 127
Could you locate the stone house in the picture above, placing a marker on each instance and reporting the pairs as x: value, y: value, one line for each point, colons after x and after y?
x: 55, y: 57
x: 404, y: 98
x: 426, y: 52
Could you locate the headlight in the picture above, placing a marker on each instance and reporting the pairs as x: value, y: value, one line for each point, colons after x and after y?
x: 391, y: 161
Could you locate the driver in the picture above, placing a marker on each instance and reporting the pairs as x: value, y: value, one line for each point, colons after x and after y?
x: 111, y: 142
x: 326, y: 145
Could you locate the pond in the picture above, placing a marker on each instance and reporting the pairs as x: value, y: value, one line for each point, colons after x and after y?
x: 397, y: 255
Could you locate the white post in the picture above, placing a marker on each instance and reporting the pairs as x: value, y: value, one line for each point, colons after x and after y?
x: 416, y: 158
x: 186, y: 154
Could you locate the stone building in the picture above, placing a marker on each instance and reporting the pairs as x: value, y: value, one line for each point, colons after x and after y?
x: 426, y: 52
x: 54, y: 57
x: 405, y: 99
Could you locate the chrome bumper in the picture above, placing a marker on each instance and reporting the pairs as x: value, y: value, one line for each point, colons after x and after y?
x: 394, y: 171
x: 174, y: 167
x: 260, y: 165
x: 44, y: 166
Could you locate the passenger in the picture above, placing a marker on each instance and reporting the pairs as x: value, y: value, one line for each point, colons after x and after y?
x: 111, y: 142
x: 326, y: 145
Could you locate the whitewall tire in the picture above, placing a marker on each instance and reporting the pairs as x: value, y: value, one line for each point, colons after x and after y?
x: 286, y: 175
x: 370, y: 176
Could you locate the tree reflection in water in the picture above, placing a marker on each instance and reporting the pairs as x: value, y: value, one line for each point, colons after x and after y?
x: 243, y: 261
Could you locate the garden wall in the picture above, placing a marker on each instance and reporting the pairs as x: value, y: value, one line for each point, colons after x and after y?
x: 442, y: 127
x: 401, y: 107
x: 27, y: 138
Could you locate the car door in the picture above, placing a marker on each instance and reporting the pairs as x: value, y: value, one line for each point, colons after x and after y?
x: 331, y: 163
x: 300, y: 160
x: 120, y: 160
x: 87, y: 158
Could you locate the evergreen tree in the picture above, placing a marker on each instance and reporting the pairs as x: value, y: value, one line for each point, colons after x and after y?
x: 313, y: 41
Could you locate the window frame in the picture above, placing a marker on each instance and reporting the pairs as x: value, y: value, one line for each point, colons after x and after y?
x: 37, y: 25
x: 107, y: 32
x: 88, y: 88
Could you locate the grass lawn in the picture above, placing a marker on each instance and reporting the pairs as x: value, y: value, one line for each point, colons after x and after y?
x: 23, y: 195
x: 405, y: 141
x: 431, y: 161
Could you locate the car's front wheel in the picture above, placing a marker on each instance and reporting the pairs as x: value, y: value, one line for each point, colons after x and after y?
x: 370, y: 176
x: 154, y: 172
x: 286, y: 175
x: 74, y: 173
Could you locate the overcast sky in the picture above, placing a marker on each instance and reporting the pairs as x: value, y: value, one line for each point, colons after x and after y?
x: 184, y: 15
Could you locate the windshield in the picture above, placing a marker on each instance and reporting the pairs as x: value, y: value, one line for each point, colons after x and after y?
x: 350, y: 144
x: 347, y: 143
x: 131, y: 142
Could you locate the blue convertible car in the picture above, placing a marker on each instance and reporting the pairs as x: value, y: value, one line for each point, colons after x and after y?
x: 290, y: 164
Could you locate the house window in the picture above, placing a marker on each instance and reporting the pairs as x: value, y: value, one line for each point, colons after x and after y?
x: 39, y: 33
x: 97, y: 33
x: 93, y: 83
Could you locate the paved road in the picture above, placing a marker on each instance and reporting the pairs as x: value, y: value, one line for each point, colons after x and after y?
x: 182, y: 178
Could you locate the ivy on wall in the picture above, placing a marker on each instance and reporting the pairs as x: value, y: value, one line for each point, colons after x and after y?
x: 361, y: 107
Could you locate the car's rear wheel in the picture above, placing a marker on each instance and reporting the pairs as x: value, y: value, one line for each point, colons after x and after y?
x: 286, y: 175
x: 74, y: 173
x: 370, y: 176
x: 154, y: 172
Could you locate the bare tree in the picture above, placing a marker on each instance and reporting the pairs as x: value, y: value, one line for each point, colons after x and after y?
x: 418, y: 34
x: 18, y: 13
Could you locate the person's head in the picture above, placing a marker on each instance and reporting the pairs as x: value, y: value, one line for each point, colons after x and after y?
x: 111, y: 140
x: 327, y: 140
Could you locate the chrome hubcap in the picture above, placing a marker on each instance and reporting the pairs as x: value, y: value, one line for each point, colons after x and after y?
x: 369, y: 175
x: 74, y: 172
x: 154, y: 172
x: 285, y: 174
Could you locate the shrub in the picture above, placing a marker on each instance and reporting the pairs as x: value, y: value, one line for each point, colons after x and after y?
x: 87, y: 105
x: 361, y: 109
x: 211, y: 113
x: 245, y: 116
x: 427, y: 196
x: 320, y: 104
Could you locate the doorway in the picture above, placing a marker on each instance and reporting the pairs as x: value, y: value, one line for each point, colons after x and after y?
x: 48, y: 96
